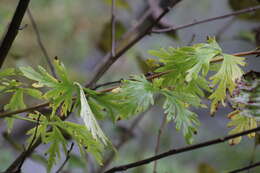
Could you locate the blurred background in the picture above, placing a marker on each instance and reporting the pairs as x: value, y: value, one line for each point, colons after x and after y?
x: 78, y: 32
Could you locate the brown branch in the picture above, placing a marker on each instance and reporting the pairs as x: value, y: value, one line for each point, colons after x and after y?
x: 12, y: 30
x: 113, y: 29
x: 246, y: 168
x: 173, y: 28
x: 67, y: 158
x: 123, y: 140
x: 15, y: 167
x: 40, y: 43
x: 110, y: 60
x: 9, y: 114
x: 180, y: 150
x: 27, y: 151
x: 158, y: 141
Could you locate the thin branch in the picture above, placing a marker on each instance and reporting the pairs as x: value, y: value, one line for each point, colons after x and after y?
x: 12, y: 30
x: 107, y: 83
x: 13, y: 167
x: 9, y: 114
x: 246, y: 168
x: 173, y: 28
x: 180, y: 150
x: 110, y: 60
x: 16, y: 165
x: 40, y: 43
x: 123, y: 140
x: 113, y: 29
x: 67, y: 158
x: 27, y: 152
x: 158, y: 141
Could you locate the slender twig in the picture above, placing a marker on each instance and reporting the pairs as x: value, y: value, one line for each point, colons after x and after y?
x: 67, y: 158
x: 113, y: 29
x: 8, y: 114
x: 109, y: 59
x: 173, y: 28
x: 13, y: 167
x: 122, y: 141
x: 158, y: 141
x: 180, y: 150
x: 246, y: 168
x: 40, y: 43
x: 107, y: 83
x: 27, y: 152
x: 12, y: 30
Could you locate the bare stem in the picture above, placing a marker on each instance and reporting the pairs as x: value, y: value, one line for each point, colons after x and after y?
x: 180, y: 150
x: 12, y: 30
x: 40, y: 43
x: 173, y: 28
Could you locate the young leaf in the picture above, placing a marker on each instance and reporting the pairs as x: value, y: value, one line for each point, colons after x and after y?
x: 187, y: 62
x: 176, y: 108
x: 137, y: 95
x: 225, y: 79
x: 84, y: 139
x: 55, y: 138
x: 15, y: 103
x: 42, y: 77
x: 89, y: 118
x: 41, y: 129
x: 61, y: 93
x: 241, y: 123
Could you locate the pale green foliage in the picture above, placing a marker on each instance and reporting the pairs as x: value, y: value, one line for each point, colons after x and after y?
x: 55, y: 138
x: 187, y: 69
x: 245, y: 100
x: 84, y: 139
x: 183, y: 88
x: 137, y: 95
x: 89, y: 118
x: 187, y: 62
x: 61, y: 92
x: 240, y: 123
x: 41, y: 129
x: 225, y: 79
x: 18, y: 91
x: 176, y: 108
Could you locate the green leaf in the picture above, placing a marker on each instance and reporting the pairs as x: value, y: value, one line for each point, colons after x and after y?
x: 42, y: 77
x: 61, y: 70
x: 241, y: 123
x: 187, y: 62
x: 7, y: 72
x: 176, y: 108
x: 15, y: 103
x: 33, y: 92
x: 89, y: 118
x: 137, y: 95
x: 61, y: 92
x: 55, y: 138
x: 84, y: 139
x: 204, y: 53
x: 41, y: 129
x: 225, y: 79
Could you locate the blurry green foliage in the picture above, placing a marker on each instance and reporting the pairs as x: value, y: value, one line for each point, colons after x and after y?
x: 241, y: 4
